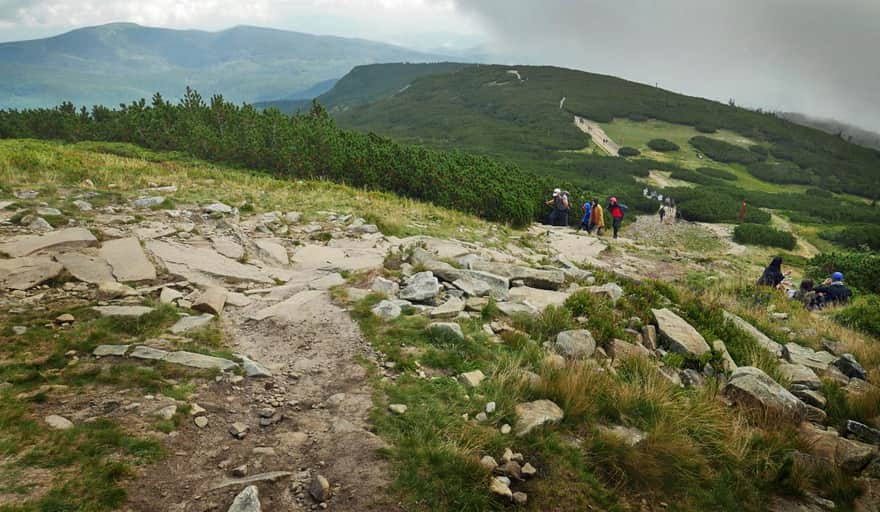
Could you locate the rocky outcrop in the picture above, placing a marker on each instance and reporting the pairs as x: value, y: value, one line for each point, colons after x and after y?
x: 536, y: 278
x: 849, y: 455
x: 422, y: 287
x: 798, y: 354
x: 752, y: 388
x: 127, y: 259
x: 679, y: 335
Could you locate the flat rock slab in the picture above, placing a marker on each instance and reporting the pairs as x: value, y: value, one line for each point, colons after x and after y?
x: 252, y: 368
x: 800, y: 375
x: 25, y: 273
x: 206, y: 261
x: 272, y: 476
x: 271, y: 251
x: 86, y: 268
x: 531, y: 415
x: 148, y: 353
x: 228, y: 247
x: 331, y: 258
x: 536, y: 297
x: 680, y: 335
x: 247, y: 500
x: 128, y: 260
x: 193, y: 360
x: 762, y: 339
x: 536, y: 278
x: 290, y: 310
x: 797, y: 354
x: 70, y: 238
x: 513, y: 308
x: 189, y: 323
x: 110, y: 350
x: 132, y: 311
x: 155, y: 231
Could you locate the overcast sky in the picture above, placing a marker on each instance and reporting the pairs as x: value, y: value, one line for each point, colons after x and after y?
x: 816, y: 57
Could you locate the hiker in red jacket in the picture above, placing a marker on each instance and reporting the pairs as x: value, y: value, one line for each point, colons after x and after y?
x: 617, y: 211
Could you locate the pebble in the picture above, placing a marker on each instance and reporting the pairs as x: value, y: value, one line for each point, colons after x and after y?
x: 66, y: 318
x: 490, y: 407
x: 201, y: 421
x: 320, y: 488
x: 238, y: 430
x: 505, y: 429
x: 397, y: 408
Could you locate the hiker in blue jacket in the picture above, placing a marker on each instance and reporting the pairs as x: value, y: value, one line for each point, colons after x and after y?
x: 585, y: 220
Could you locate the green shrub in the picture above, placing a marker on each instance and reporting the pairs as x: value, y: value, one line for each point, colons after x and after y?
x: 861, y: 269
x: 783, y: 173
x: 627, y: 151
x: 819, y: 192
x: 721, y: 151
x: 708, y: 206
x: 761, y: 151
x: 717, y: 173
x: 855, y: 237
x: 863, y: 315
x: 706, y: 128
x: 639, y: 118
x: 756, y: 234
x: 663, y: 145
x: 692, y: 176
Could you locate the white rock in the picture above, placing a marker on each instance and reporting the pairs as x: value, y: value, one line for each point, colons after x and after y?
x: 58, y: 422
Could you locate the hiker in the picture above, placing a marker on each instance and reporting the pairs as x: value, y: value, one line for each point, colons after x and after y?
x: 773, y: 275
x: 662, y: 212
x: 559, y: 202
x: 617, y: 211
x: 585, y: 220
x: 597, y: 218
x: 833, y: 291
x: 807, y: 295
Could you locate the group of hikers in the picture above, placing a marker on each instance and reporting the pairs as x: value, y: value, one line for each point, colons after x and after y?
x: 831, y: 292
x: 593, y: 213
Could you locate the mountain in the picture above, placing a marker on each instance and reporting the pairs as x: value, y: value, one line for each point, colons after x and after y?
x: 849, y: 132
x: 526, y: 114
x: 120, y: 62
x: 365, y: 84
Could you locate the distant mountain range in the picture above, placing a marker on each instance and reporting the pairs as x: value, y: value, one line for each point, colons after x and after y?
x: 843, y: 130
x: 119, y: 62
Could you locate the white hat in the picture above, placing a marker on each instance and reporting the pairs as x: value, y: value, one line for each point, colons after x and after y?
x: 557, y: 191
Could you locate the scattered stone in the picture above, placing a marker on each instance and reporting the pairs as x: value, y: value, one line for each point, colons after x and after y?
x: 83, y: 206
x: 529, y: 471
x: 861, y: 432
x: 691, y: 378
x: 811, y: 397
x: 110, y: 350
x: 272, y: 252
x: 70, y: 238
x: 252, y: 368
x: 211, y: 301
x: 201, y: 361
x: 238, y: 430
x: 800, y: 375
x: 166, y: 413
x: 850, y: 367
x: 248, y: 500
x: 201, y: 421
x: 148, y: 202
x: 421, y: 287
x: 762, y: 339
x: 851, y: 456
x: 535, y: 278
x: 27, y: 272
x: 727, y: 361
x: 481, y: 417
x: 86, y: 268
x: 217, y: 207
x: 272, y: 476
x: 627, y: 435
x: 488, y: 462
x: 577, y: 344
x: 128, y: 260
x: 363, y: 229
x: 190, y: 323
x: 490, y: 407
x: 108, y: 290
x: 750, y: 387
x: 553, y: 361
x: 513, y: 308
x: 26, y: 194
x: 128, y: 311
x: 65, y: 318
x: 610, y: 290
x: 500, y: 486
x: 38, y: 224
x: 169, y: 295
x: 58, y: 422
x: 680, y: 335
x: 520, y: 498
x: 450, y: 327
x: 798, y: 354
x: 624, y: 350
x: 19, y: 330
x: 449, y: 309
x: 397, y: 408
x: 471, y: 379
x: 510, y: 469
x: 387, y: 310
x: 386, y: 286
x: 649, y: 337
x: 293, y: 217
x: 194, y: 261
x: 240, y: 471
x: 319, y: 489
x: 531, y: 415
x: 148, y: 353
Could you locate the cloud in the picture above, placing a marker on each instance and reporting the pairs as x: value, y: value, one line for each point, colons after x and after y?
x: 814, y: 56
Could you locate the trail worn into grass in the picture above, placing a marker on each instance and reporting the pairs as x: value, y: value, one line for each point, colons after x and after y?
x: 595, y: 131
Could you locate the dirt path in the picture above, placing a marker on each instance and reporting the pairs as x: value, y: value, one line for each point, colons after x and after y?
x: 598, y: 135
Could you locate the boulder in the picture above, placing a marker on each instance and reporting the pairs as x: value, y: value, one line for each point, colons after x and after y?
x: 576, y: 344
x: 500, y: 486
x: 800, y: 375
x: 536, y: 278
x: 125, y: 311
x: 531, y: 415
x: 86, y: 268
x: 148, y: 202
x: 210, y: 301
x: 471, y: 379
x: 422, y: 287
x: 763, y: 340
x: 810, y: 397
x: 110, y: 350
x: 850, y: 367
x: 610, y: 290
x: 387, y: 310
x: 201, y: 361
x: 228, y: 247
x: 861, y: 432
x: 272, y: 252
x: 57, y: 422
x: 70, y: 238
x: 849, y: 455
x: 752, y: 388
x: 148, y: 353
x: 26, y: 272
x: 189, y: 323
x: 319, y: 489
x: 248, y: 500
x: 112, y: 290
x: 621, y: 349
x: 798, y: 354
x: 388, y: 287
x: 169, y: 295
x: 475, y: 284
x: 252, y: 368
x: 680, y: 335
x: 649, y: 337
x: 536, y: 297
x: 192, y: 261
x: 128, y: 260
x: 513, y: 308
x: 449, y: 327
x: 449, y: 309
x: 217, y: 207
x: 727, y: 362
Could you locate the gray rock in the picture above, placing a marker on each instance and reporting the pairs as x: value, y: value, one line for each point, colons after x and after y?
x: 620, y: 349
x: 750, y: 387
x: 27, y: 272
x: 861, y: 432
x: 83, y: 206
x: 217, y: 208
x: 850, y: 367
x: 578, y: 344
x: 611, y: 290
x: 293, y: 217
x: 471, y: 379
x: 166, y: 413
x: 319, y: 489
x: 272, y: 252
x: 192, y: 261
x: 422, y: 287
x: 193, y: 360
x: 762, y: 339
x: 386, y: 286
x: 397, y: 408
x: 112, y: 290
x: 501, y: 487
x: 238, y: 430
x: 536, y: 278
x: 727, y: 362
x: 148, y: 202
x: 272, y: 476
x: 148, y: 353
x: 211, y: 301
x: 201, y: 421
x: 649, y: 337
x: 798, y: 354
x: 386, y: 310
x: 86, y: 268
x: 363, y: 229
x: 128, y: 260
x: 110, y: 350
x: 252, y: 368
x: 536, y: 297
x: 190, y: 323
x: 19, y: 330
x: 48, y: 211
x: 39, y: 224
x: 129, y: 311
x: 169, y: 295
x: 450, y: 327
x: 488, y: 462
x: 26, y: 194
x: 58, y: 422
x: 680, y: 335
x: 248, y: 500
x: 810, y: 397
x: 513, y: 308
x: 691, y: 378
x: 228, y: 247
x: 531, y: 415
x: 799, y: 374
x: 480, y: 284
x: 627, y: 435
x: 70, y: 238
x: 449, y: 309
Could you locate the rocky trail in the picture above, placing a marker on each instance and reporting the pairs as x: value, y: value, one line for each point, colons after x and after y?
x: 281, y: 420
x: 600, y: 138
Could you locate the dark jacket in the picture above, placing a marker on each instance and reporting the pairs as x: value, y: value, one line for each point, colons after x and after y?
x: 837, y: 293
x: 772, y: 275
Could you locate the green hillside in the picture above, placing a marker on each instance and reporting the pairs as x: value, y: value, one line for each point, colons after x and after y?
x: 489, y: 110
x: 116, y: 63
x: 364, y: 84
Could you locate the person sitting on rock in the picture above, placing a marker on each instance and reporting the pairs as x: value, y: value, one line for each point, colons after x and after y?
x: 832, y: 291
x: 773, y: 275
x: 807, y: 295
